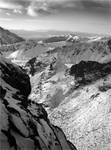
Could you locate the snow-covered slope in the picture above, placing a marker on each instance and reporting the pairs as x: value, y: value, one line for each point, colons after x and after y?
x: 72, y: 38
x: 24, y: 125
x: 77, y: 99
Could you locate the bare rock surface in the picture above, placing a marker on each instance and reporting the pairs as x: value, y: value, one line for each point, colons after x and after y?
x: 24, y: 125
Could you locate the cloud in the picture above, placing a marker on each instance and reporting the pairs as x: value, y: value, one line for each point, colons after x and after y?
x: 51, y: 6
x: 31, y: 11
x: 36, y: 7
x: 8, y: 14
x: 8, y: 5
x: 17, y: 11
x: 46, y: 7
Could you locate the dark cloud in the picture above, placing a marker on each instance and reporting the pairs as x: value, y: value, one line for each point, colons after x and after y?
x: 69, y: 6
x: 98, y: 6
x: 92, y: 6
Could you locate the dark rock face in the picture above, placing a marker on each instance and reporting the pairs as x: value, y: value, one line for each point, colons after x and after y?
x: 37, y: 64
x: 88, y: 71
x: 34, y: 66
x: 7, y: 37
x: 24, y: 125
x: 16, y: 77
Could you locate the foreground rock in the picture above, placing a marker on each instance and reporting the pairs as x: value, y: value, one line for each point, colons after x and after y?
x: 24, y: 125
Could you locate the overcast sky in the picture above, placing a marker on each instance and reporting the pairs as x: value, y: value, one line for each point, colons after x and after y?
x: 92, y: 16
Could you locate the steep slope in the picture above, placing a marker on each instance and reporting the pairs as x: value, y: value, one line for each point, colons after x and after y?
x: 86, y: 109
x: 24, y: 124
x: 7, y: 37
x: 77, y: 99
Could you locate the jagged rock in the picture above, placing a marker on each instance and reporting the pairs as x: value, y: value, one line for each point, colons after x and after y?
x: 38, y: 64
x: 24, y: 125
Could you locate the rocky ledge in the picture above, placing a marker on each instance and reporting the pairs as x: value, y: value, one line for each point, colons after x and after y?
x: 24, y: 125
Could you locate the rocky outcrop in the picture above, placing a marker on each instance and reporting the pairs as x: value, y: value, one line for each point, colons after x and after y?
x: 34, y: 65
x: 88, y: 71
x: 24, y: 125
x: 39, y: 64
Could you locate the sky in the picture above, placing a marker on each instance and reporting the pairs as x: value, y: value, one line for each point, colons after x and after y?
x: 92, y: 16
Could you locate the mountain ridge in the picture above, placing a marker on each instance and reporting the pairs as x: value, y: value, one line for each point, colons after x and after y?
x: 7, y: 37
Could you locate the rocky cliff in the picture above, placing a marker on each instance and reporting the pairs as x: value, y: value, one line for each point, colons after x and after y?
x: 89, y: 71
x: 24, y: 125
